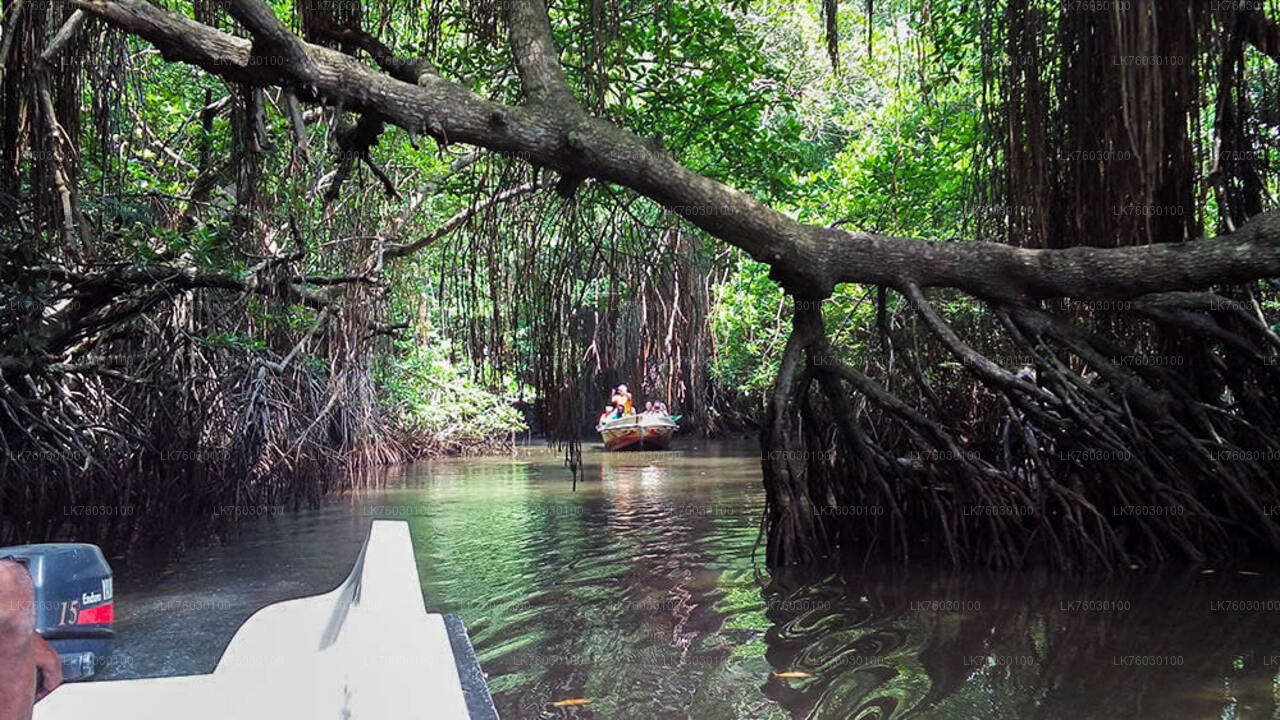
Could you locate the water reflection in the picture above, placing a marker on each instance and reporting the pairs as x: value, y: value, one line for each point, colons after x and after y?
x: 897, y: 645
x: 609, y: 593
x: 638, y: 592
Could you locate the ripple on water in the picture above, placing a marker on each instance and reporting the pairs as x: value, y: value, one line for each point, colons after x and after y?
x: 638, y: 593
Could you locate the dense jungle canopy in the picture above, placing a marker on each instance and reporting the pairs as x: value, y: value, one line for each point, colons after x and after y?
x: 992, y: 276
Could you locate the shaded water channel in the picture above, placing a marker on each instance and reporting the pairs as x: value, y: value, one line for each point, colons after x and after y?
x: 638, y: 592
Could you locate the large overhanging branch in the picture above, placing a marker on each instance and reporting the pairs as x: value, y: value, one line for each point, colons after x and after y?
x: 537, y: 61
x: 552, y: 131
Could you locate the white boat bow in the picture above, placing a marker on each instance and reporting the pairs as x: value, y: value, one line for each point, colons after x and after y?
x: 366, y: 650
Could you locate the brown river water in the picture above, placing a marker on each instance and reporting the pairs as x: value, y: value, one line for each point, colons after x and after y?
x: 640, y: 593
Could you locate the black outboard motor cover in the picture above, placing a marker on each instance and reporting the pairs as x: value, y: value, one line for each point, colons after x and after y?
x: 74, y: 607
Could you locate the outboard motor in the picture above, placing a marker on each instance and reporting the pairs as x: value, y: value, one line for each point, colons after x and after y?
x: 74, y: 608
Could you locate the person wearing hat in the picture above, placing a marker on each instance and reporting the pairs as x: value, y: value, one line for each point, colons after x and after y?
x: 622, y: 399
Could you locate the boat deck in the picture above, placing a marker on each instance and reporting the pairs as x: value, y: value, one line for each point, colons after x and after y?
x: 368, y: 649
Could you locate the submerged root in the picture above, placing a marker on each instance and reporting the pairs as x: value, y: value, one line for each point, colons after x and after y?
x: 1098, y: 457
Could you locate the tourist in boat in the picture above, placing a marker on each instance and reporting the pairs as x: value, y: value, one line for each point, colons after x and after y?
x: 651, y: 429
x: 610, y: 412
x: 22, y: 651
x: 622, y: 399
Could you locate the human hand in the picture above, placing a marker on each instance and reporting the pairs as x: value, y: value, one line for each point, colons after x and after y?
x: 49, y: 664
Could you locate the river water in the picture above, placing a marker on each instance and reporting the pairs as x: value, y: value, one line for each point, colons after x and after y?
x: 638, y: 592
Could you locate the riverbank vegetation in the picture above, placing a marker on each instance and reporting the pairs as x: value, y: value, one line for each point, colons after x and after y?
x: 252, y: 249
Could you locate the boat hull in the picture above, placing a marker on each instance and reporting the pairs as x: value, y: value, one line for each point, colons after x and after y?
x: 637, y: 432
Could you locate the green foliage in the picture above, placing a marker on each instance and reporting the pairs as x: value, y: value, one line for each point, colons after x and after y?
x: 701, y: 80
x: 233, y: 341
x: 890, y: 143
x: 749, y: 338
x: 427, y: 394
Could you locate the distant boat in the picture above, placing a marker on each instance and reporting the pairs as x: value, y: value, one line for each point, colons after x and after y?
x: 646, y: 431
